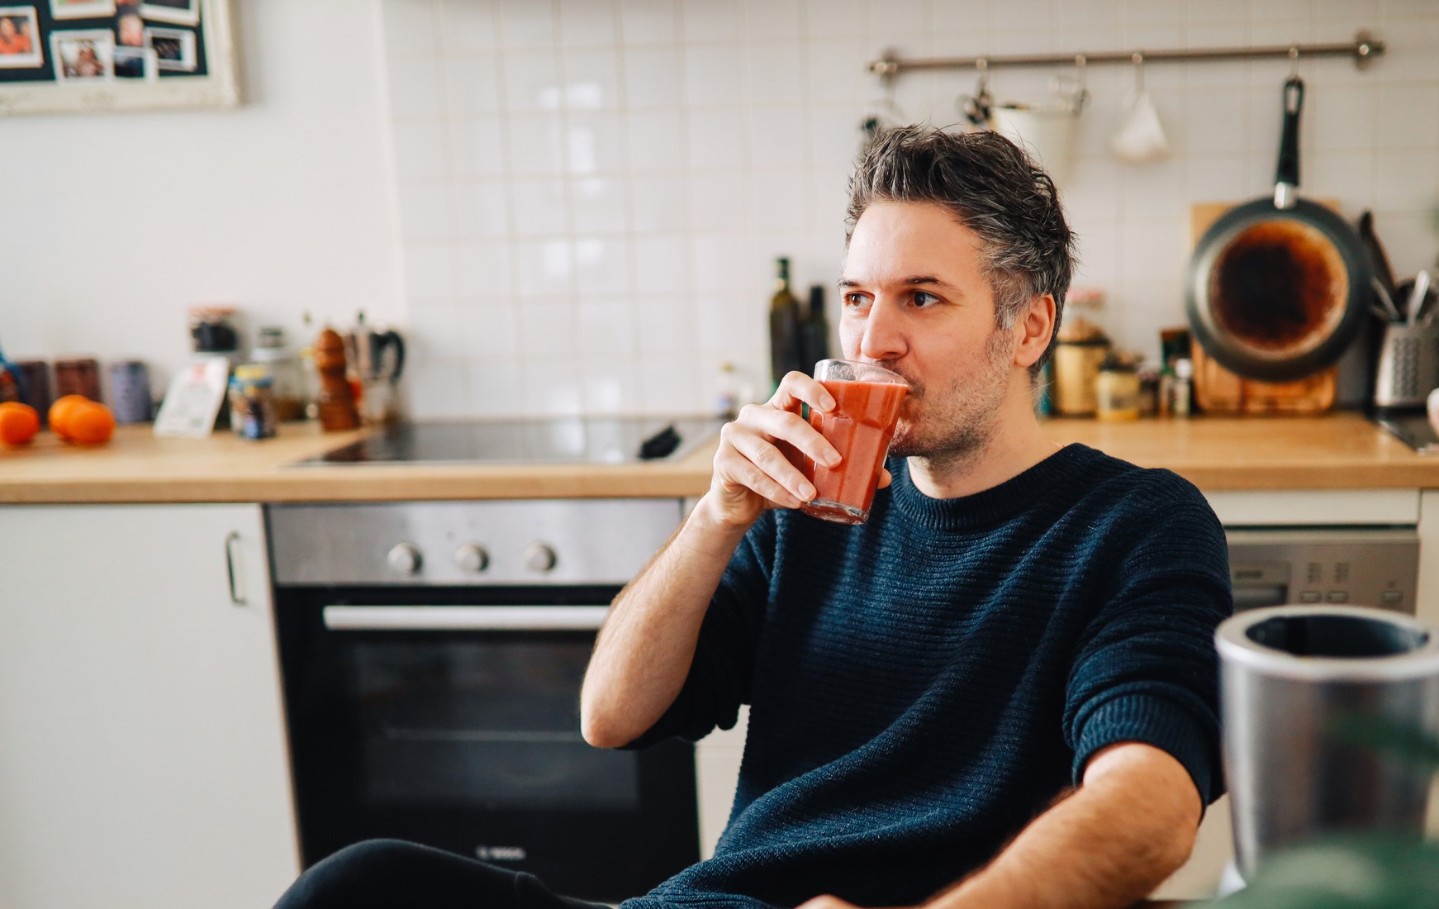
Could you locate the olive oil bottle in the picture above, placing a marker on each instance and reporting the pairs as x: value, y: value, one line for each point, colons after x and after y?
x: 785, y: 338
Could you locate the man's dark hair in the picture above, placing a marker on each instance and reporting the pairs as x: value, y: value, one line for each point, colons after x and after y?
x: 995, y: 190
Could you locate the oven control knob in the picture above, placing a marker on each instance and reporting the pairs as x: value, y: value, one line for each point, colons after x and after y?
x: 472, y: 558
x: 404, y: 558
x: 541, y: 557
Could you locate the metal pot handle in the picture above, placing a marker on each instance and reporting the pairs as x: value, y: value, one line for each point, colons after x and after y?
x: 1286, y: 176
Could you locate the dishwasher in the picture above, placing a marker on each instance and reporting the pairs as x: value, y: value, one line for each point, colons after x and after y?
x: 1359, y: 566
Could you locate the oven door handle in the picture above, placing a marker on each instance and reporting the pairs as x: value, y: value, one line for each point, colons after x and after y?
x: 464, y: 618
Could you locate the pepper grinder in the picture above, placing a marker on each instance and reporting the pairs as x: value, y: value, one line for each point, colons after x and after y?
x: 337, y: 398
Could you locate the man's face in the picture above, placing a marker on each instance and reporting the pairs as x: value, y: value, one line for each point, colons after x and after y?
x: 916, y: 301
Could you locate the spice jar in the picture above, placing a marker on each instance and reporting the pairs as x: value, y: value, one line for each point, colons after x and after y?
x: 78, y: 376
x: 285, y: 372
x: 130, y: 391
x: 1117, y: 391
x: 1079, y: 350
x: 252, y: 402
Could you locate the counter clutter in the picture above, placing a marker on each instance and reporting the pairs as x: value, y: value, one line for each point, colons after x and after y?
x: 1339, y: 450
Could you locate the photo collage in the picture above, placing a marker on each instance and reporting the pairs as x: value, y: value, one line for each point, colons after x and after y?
x: 85, y: 41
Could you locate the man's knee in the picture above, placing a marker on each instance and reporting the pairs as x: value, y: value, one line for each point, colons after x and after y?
x: 357, y: 875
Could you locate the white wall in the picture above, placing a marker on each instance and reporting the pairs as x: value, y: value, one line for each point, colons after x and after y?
x: 592, y: 191
x: 113, y: 224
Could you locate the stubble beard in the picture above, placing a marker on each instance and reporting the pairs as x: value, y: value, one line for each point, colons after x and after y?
x: 958, y: 423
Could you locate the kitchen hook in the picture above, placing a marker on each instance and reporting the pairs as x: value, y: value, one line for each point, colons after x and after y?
x: 976, y: 108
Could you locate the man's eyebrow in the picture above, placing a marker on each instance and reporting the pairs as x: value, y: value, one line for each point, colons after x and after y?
x: 920, y: 280
x: 913, y: 281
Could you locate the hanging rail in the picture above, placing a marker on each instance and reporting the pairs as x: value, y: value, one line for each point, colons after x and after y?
x: 1363, y: 49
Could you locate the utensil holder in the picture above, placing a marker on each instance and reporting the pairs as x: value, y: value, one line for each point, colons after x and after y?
x: 1314, y: 700
x: 1408, y: 365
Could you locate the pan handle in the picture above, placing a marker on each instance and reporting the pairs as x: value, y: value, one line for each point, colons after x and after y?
x: 1286, y: 176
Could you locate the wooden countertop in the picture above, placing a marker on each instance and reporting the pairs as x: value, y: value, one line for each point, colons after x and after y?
x: 1334, y: 451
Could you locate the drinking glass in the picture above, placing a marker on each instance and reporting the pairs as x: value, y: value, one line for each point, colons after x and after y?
x: 867, y: 402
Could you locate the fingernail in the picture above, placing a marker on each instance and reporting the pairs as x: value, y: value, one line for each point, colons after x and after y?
x: 827, y: 402
x: 832, y: 459
x: 807, y: 493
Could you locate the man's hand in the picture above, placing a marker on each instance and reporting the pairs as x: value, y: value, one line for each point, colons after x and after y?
x: 827, y: 902
x: 751, y: 470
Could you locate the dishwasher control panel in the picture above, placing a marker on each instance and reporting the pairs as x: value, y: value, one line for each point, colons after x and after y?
x: 1339, y: 566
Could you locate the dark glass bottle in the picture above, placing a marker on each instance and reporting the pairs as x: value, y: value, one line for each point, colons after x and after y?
x: 784, y: 327
x: 814, y: 330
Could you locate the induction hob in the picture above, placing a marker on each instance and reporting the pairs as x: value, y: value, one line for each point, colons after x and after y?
x: 1413, y: 429
x: 557, y: 440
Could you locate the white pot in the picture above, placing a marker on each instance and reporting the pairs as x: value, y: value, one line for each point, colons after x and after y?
x: 1047, y: 133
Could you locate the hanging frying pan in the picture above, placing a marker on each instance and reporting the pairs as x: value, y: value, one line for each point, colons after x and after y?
x: 1278, y: 288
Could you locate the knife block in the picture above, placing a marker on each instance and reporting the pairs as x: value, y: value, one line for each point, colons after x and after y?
x: 1218, y: 390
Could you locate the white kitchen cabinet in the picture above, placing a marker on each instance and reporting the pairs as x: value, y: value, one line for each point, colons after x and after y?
x: 142, y: 751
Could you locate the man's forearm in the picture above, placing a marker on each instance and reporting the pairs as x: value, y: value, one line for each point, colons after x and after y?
x: 1107, y: 845
x: 643, y: 652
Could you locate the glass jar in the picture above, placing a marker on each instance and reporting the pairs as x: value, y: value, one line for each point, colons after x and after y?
x: 1116, y: 392
x: 285, y: 371
x: 252, y: 402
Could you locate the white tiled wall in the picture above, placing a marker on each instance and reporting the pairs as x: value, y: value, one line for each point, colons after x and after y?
x: 592, y: 192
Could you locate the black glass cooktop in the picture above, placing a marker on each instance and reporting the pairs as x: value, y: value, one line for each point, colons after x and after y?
x: 1414, y: 429
x: 559, y: 440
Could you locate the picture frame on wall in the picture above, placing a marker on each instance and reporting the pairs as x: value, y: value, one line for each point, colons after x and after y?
x: 174, y: 48
x: 20, y: 46
x: 71, y: 56
x: 176, y: 12
x: 81, y: 9
x: 83, y: 55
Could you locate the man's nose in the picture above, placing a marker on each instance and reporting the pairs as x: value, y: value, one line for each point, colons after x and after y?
x: 882, y: 337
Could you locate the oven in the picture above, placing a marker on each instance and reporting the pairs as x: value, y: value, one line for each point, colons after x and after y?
x: 432, y: 655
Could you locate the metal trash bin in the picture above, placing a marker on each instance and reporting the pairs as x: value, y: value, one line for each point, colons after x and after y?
x: 1307, y: 694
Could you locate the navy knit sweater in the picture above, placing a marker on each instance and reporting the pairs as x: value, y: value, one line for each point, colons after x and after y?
x: 924, y: 685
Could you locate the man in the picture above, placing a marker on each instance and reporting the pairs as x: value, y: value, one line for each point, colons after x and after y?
x: 1013, y: 618
x: 1001, y: 690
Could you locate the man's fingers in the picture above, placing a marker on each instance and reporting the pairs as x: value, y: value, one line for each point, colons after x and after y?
x: 796, y: 388
x: 750, y: 459
x: 788, y: 426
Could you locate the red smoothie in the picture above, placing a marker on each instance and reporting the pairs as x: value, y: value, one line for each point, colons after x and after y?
x: 860, y: 428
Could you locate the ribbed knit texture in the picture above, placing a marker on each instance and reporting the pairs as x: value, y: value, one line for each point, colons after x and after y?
x: 924, y: 685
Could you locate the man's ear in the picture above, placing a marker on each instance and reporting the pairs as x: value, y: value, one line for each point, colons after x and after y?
x: 1033, y: 329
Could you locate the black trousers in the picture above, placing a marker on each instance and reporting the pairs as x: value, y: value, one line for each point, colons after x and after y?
x: 393, y: 874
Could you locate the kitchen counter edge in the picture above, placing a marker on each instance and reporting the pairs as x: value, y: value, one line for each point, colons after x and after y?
x: 1334, y: 451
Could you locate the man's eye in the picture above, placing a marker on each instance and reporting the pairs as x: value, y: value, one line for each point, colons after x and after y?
x: 923, y: 299
x: 855, y: 299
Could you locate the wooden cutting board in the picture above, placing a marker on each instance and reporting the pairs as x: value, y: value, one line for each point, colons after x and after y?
x: 1217, y: 390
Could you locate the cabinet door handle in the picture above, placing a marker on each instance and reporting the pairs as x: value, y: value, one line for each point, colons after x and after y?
x: 237, y: 593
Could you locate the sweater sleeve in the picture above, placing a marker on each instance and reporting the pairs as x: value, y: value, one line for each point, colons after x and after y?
x: 1146, y: 668
x: 719, y: 676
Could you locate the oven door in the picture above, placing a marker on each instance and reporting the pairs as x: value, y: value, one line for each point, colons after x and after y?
x: 424, y: 715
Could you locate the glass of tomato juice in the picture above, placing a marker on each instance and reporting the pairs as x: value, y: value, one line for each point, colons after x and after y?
x: 867, y: 401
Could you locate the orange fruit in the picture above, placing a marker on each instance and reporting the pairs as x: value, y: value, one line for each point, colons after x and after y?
x: 18, y: 423
x: 59, y: 414
x: 89, y: 423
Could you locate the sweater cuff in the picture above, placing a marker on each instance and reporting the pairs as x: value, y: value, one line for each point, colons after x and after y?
x: 1157, y: 721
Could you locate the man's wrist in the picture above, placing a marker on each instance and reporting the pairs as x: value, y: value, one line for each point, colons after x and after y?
x: 711, y: 529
